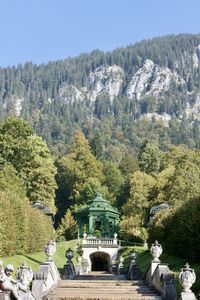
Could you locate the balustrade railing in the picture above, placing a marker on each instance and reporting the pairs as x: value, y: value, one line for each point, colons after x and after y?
x: 100, y: 241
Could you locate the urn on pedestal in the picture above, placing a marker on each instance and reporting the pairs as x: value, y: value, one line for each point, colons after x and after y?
x: 156, y: 251
x: 50, y: 250
x: 187, y: 277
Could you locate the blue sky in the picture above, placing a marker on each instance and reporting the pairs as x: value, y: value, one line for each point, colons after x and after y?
x: 44, y: 30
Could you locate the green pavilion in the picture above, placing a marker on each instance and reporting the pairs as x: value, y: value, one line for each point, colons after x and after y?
x: 99, y: 218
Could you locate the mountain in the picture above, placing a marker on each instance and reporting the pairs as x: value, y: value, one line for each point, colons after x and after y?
x: 149, y: 90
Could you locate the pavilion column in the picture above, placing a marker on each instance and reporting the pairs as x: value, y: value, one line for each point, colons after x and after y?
x: 91, y: 229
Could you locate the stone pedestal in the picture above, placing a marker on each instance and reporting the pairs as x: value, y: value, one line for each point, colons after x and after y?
x: 5, y: 295
x: 153, y: 266
x: 44, y: 279
x: 68, y: 272
x: 85, y: 266
x: 187, y: 296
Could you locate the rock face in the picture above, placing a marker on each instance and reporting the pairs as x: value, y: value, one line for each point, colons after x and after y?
x: 70, y: 93
x: 105, y: 79
x: 165, y: 118
x: 151, y: 80
x: 111, y: 81
x: 193, y: 110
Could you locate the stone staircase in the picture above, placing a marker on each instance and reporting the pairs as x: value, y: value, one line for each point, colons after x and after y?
x: 100, y: 286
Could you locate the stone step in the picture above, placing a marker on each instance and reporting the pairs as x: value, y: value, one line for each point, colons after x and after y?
x: 101, y: 282
x: 98, y: 286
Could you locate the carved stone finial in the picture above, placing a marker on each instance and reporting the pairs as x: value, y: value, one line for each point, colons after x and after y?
x: 156, y: 251
x: 187, y: 277
x: 50, y: 250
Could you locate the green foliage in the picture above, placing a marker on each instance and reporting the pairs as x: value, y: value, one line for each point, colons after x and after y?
x: 22, y: 228
x: 178, y: 185
x: 113, y: 179
x: 96, y: 144
x: 150, y: 158
x: 30, y: 157
x: 8, y: 228
x: 178, y: 230
x: 41, y: 179
x: 67, y: 228
x: 15, y: 193
x: 128, y: 164
x: 135, y: 210
x: 79, y: 176
x: 40, y: 230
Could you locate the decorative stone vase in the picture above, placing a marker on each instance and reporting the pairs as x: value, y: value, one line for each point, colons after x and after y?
x: 50, y: 250
x: 24, y: 274
x: 156, y: 251
x: 187, y: 277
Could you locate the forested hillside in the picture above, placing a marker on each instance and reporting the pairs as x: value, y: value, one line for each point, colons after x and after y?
x: 147, y: 90
x: 123, y: 123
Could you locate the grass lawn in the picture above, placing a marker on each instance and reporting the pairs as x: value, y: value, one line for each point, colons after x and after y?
x: 35, y: 259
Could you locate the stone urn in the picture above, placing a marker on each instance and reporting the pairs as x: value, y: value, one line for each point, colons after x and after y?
x: 187, y: 277
x: 24, y: 274
x: 121, y: 260
x: 50, y: 250
x: 156, y: 251
x: 79, y: 259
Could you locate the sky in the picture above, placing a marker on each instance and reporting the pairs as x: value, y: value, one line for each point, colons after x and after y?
x: 49, y: 30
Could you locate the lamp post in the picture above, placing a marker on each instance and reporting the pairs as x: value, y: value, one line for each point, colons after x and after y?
x: 68, y: 271
x: 132, y: 256
x: 69, y: 254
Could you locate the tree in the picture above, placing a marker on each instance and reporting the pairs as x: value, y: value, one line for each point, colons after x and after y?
x: 184, y: 184
x: 128, y: 164
x: 67, y: 227
x: 23, y: 228
x: 113, y: 179
x: 15, y: 198
x: 150, y: 158
x: 29, y: 155
x: 79, y: 176
x: 96, y: 144
x: 135, y: 210
x: 8, y: 230
x: 41, y: 179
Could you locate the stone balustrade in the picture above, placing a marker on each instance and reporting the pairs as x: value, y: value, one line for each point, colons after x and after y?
x: 46, y: 278
x: 160, y: 278
x: 101, y: 242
